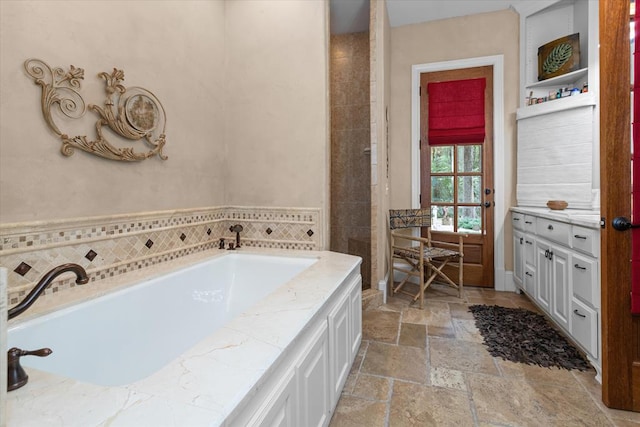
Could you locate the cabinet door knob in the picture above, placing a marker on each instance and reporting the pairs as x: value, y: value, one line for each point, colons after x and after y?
x: 550, y: 227
x: 579, y: 267
x: 577, y: 236
x: 529, y: 274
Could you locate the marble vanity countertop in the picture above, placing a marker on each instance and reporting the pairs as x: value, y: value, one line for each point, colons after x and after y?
x: 584, y: 218
x: 204, y: 385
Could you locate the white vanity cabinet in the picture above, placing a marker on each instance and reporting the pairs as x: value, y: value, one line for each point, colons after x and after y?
x: 552, y: 249
x: 558, y: 257
x: 585, y: 284
x: 552, y: 290
x: 524, y: 251
x: 556, y: 253
x: 518, y: 258
x: 311, y: 376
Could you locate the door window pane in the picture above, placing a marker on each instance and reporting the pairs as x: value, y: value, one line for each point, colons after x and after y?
x: 470, y: 219
x: 469, y: 189
x: 442, y: 218
x: 442, y: 189
x: 470, y: 158
x: 442, y: 159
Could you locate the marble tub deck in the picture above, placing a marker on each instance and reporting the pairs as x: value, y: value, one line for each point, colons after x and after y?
x: 429, y: 368
x: 207, y: 384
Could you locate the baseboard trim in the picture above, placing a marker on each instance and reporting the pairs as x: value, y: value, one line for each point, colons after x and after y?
x: 382, y: 286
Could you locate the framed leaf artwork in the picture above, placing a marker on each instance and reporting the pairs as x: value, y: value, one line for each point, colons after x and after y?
x: 559, y: 57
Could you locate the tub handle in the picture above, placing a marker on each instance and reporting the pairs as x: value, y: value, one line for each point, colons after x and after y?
x: 16, y: 376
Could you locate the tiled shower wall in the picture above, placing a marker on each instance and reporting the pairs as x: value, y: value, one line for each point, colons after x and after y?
x: 108, y: 246
x: 351, y: 148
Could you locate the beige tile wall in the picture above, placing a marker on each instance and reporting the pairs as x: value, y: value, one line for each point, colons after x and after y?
x: 351, y: 147
x: 108, y: 246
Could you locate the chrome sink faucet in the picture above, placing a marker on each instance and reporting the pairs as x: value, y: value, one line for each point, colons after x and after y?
x: 46, y: 280
x: 236, y: 229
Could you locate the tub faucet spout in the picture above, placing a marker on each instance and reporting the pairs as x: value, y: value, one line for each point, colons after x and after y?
x: 46, y: 280
x: 236, y: 229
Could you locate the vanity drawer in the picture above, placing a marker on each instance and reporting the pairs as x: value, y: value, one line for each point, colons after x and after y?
x: 530, y: 223
x: 585, y: 240
x: 517, y: 220
x: 584, y: 279
x: 584, y: 326
x: 553, y: 230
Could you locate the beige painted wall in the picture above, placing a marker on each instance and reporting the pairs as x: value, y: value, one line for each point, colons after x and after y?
x: 457, y: 38
x: 277, y: 88
x: 244, y: 85
x: 173, y: 48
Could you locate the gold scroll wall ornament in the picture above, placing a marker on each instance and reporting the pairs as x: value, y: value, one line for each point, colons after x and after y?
x: 133, y: 113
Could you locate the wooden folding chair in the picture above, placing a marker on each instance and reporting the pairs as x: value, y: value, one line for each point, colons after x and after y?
x: 421, y: 256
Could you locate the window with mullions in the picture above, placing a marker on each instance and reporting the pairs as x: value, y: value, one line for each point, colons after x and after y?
x: 456, y: 188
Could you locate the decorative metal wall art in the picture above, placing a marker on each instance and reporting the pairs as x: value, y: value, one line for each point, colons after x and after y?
x: 133, y: 113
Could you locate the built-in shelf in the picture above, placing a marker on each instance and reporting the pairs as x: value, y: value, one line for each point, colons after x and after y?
x: 575, y: 101
x: 561, y: 80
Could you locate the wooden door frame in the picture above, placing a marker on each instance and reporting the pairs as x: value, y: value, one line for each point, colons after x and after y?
x: 478, y: 264
x: 620, y: 332
x: 497, y: 61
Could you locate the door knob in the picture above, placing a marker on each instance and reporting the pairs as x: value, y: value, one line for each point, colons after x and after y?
x: 622, y: 223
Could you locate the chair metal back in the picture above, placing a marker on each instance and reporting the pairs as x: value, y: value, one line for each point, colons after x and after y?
x: 408, y: 218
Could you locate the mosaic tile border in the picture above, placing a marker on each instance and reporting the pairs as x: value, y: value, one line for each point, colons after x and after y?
x: 28, y: 236
x: 112, y: 245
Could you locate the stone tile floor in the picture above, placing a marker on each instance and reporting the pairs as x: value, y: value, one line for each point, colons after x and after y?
x: 429, y: 368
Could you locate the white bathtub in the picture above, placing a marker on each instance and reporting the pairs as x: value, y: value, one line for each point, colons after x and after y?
x: 219, y: 343
x: 127, y: 335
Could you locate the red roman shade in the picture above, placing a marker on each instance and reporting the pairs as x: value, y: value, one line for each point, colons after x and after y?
x: 456, y: 111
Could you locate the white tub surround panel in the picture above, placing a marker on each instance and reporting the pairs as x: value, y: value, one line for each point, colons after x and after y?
x: 285, y: 356
x: 112, y: 245
x: 3, y: 346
